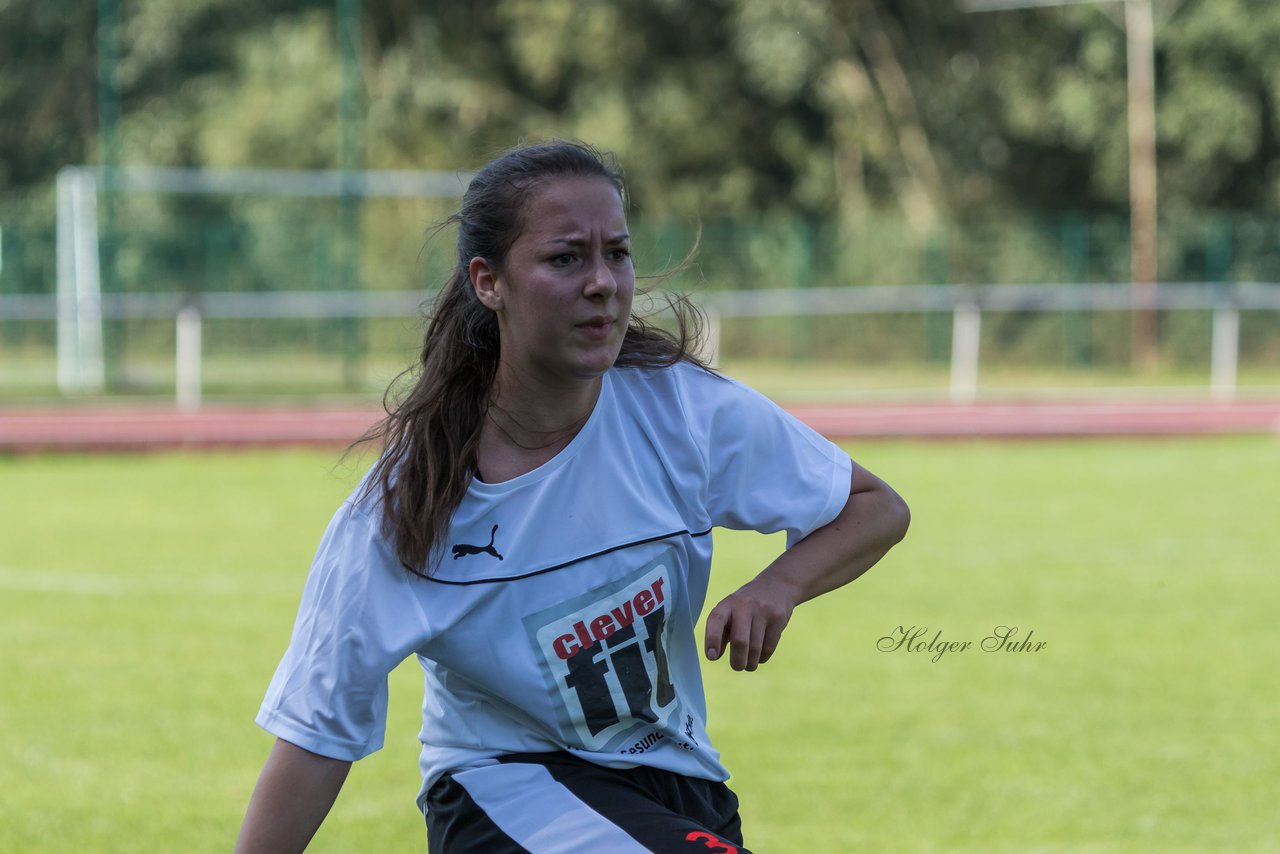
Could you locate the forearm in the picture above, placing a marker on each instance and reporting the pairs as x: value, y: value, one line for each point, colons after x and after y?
x: 292, y: 798
x: 874, y: 519
x: 749, y: 623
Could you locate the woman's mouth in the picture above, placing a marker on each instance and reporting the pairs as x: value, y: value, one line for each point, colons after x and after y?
x: 597, y: 327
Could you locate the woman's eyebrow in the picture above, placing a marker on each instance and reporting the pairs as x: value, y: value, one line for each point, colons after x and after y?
x: 576, y: 240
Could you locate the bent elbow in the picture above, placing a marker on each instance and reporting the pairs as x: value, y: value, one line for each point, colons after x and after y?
x: 900, y: 514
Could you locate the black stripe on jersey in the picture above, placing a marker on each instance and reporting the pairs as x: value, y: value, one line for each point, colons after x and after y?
x: 568, y: 563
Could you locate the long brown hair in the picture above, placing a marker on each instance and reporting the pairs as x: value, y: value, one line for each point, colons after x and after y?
x: 430, y: 432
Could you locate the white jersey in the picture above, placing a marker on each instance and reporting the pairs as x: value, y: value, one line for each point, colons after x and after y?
x: 562, y: 613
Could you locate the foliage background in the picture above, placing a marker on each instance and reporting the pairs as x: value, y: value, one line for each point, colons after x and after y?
x: 815, y: 143
x: 726, y: 107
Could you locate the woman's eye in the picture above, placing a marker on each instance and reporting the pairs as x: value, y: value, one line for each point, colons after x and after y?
x: 562, y: 260
x: 620, y: 254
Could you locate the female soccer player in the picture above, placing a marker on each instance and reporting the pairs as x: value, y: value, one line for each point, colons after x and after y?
x: 537, y: 533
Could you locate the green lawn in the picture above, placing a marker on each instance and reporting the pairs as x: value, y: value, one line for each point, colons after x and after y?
x: 144, y: 601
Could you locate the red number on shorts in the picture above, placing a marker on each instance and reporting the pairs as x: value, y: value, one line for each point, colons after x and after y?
x: 711, y: 842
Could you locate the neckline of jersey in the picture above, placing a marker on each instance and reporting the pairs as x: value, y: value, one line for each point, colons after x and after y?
x: 567, y: 453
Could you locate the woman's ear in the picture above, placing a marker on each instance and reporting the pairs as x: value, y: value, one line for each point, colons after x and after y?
x: 484, y: 278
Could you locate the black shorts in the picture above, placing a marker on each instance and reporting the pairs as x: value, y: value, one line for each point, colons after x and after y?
x: 548, y: 803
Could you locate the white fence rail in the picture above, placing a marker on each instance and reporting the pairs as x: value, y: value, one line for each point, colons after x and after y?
x: 966, y: 304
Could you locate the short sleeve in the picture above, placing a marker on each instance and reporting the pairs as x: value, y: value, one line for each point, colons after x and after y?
x: 357, y: 621
x: 766, y: 470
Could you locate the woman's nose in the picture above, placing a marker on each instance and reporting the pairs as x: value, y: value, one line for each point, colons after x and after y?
x: 600, y: 279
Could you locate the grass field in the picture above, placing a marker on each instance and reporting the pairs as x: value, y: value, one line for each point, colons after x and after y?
x: 144, y: 601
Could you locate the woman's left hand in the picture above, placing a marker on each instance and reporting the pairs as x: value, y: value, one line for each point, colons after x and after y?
x: 750, y: 622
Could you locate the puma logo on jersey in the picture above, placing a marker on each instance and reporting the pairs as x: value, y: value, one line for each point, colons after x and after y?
x: 462, y: 549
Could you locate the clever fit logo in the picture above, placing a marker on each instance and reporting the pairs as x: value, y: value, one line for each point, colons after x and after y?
x: 608, y: 661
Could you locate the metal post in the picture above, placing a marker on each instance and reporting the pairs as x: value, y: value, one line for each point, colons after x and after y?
x: 351, y: 156
x: 109, y: 155
x: 803, y: 323
x: 1226, y: 353
x: 88, y: 283
x: 1077, y: 324
x: 109, y: 85
x: 965, y: 338
x: 188, y: 366
x: 1144, y: 266
x: 937, y: 271
x: 79, y: 327
x: 1225, y: 348
x: 67, y: 347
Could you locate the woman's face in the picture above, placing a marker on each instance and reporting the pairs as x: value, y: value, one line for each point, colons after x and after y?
x: 563, y: 295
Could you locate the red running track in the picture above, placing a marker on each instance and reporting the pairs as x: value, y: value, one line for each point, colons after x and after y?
x: 117, y: 429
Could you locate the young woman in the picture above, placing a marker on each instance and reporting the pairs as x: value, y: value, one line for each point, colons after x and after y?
x: 536, y: 532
